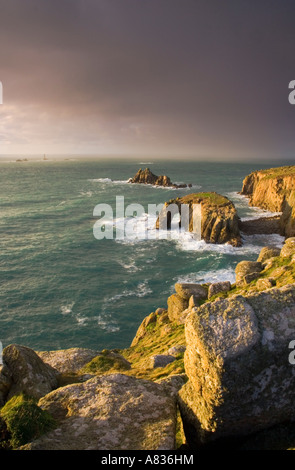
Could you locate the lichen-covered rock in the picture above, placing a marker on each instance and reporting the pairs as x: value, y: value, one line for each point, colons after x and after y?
x: 149, y: 319
x: 265, y: 283
x: 268, y: 252
x: 29, y: 374
x: 176, y: 350
x: 244, y: 268
x: 240, y: 379
x: 176, y: 305
x: 161, y: 360
x: 217, y: 287
x: 112, y: 412
x: 68, y: 360
x: 173, y: 383
x: 289, y: 247
x: 186, y: 290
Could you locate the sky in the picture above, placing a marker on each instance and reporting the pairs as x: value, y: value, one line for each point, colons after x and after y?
x: 199, y: 79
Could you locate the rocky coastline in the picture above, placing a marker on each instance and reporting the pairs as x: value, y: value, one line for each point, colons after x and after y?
x: 211, y: 369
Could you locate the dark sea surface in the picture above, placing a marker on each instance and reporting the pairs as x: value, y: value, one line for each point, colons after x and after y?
x: 60, y: 287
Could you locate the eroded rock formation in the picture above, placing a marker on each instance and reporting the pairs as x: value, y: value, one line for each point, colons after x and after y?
x: 147, y: 177
x: 274, y: 190
x: 219, y: 219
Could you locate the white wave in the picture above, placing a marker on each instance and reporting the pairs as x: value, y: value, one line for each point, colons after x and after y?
x: 86, y: 193
x: 142, y: 290
x: 129, y: 266
x: 81, y: 320
x: 108, y: 180
x: 66, y: 309
x: 260, y: 213
x: 242, y: 201
x: 202, y: 277
x: 105, y: 323
x: 100, y: 180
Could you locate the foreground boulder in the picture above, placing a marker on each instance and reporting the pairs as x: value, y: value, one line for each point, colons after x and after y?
x: 240, y: 378
x: 210, y: 216
x: 27, y: 372
x: 112, y: 412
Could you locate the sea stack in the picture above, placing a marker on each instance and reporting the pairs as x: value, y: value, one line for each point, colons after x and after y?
x: 147, y: 177
x: 219, y: 218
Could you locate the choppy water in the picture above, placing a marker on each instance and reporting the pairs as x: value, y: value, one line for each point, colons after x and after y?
x: 60, y: 287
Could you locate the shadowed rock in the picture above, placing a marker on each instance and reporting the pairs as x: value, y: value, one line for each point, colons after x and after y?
x: 240, y: 379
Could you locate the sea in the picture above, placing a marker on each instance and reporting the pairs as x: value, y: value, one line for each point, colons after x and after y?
x: 63, y: 286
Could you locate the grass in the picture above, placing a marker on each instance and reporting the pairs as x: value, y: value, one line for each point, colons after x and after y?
x: 24, y: 420
x: 211, y: 197
x: 158, y: 338
x: 105, y: 362
x: 278, y: 172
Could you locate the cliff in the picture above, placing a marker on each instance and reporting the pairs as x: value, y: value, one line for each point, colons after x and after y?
x: 274, y: 190
x: 219, y: 218
x: 217, y: 352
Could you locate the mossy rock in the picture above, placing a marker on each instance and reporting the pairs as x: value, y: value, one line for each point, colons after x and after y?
x: 24, y: 420
x: 106, y: 361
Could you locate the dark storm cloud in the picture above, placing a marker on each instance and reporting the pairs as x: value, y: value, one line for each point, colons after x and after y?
x: 184, y: 74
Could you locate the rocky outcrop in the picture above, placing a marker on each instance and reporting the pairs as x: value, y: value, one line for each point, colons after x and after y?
x: 247, y: 271
x: 178, y: 303
x: 209, y: 216
x: 240, y: 379
x: 274, y: 190
x: 24, y: 372
x: 68, y: 360
x: 218, y: 287
x: 113, y: 412
x: 268, y: 252
x: 147, y: 177
x: 289, y: 248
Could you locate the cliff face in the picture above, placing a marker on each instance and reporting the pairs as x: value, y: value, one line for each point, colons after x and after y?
x: 219, y: 218
x: 274, y: 190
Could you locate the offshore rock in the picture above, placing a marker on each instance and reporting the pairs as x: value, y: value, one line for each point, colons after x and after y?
x: 215, y: 221
x: 240, y: 379
x: 147, y: 177
x: 112, y: 412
